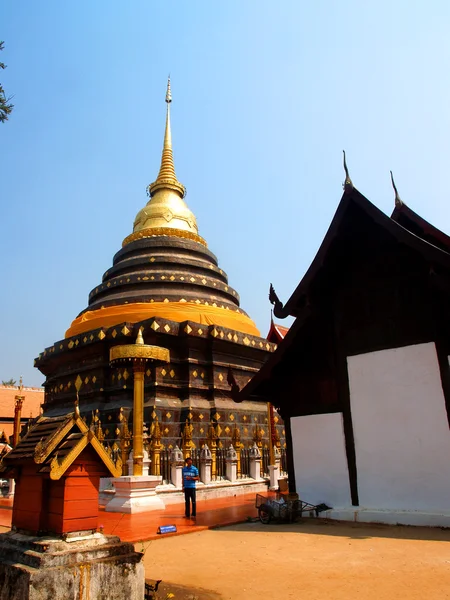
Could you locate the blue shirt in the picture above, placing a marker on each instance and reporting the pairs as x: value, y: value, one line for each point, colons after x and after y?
x: 189, y: 472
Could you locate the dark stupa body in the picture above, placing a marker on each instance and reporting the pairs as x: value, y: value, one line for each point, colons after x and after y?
x: 165, y: 281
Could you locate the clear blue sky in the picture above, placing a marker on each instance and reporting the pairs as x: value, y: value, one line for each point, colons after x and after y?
x: 265, y: 97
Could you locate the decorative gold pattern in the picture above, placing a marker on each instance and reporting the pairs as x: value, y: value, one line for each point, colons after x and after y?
x: 78, y: 383
x: 134, y: 351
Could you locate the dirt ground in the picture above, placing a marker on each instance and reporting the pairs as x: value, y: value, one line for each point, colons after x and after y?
x: 311, y: 560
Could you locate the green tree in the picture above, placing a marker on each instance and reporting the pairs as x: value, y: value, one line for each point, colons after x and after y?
x: 5, y: 104
x: 9, y: 382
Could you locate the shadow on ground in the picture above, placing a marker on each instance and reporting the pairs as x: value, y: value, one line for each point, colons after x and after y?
x: 346, y: 529
x: 182, y: 592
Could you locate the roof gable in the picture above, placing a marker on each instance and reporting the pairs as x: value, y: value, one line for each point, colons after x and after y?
x: 56, y: 442
x: 350, y: 200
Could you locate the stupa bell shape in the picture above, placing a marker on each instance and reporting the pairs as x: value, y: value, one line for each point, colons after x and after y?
x: 164, y: 268
x: 166, y: 209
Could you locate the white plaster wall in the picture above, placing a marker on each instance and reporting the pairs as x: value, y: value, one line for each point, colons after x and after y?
x: 401, y: 430
x: 320, y: 461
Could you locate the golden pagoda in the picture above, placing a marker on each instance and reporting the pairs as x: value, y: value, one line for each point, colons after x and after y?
x: 165, y: 282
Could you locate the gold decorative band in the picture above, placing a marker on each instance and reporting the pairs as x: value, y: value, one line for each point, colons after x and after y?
x: 158, y: 231
x: 164, y: 183
x: 136, y: 351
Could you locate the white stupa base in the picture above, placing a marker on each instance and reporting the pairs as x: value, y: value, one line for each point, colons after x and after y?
x: 135, y: 494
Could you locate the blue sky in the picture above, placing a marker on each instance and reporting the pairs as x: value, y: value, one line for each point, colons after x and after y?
x: 265, y: 97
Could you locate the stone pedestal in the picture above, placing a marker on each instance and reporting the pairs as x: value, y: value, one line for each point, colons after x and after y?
x: 205, y: 465
x: 135, y: 494
x: 146, y: 463
x: 231, y: 464
x: 176, y: 468
x: 274, y: 474
x: 82, y: 567
x: 255, y: 462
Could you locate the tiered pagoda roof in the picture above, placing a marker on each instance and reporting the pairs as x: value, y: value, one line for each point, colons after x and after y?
x: 166, y: 264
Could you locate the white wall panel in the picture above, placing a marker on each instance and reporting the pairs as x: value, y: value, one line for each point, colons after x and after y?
x: 401, y: 430
x: 320, y: 462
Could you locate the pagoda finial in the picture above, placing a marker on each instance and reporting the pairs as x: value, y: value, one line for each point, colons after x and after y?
x: 167, y: 178
x: 140, y: 339
x: 398, y: 200
x: 348, y: 184
x: 168, y: 92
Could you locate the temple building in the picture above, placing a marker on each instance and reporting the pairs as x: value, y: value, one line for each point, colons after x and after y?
x: 362, y: 378
x: 14, y: 399
x: 165, y: 282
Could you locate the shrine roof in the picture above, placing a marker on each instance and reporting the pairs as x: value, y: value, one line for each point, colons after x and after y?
x: 55, y: 442
x: 276, y: 332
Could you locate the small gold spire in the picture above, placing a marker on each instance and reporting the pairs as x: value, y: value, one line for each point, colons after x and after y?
x: 398, y: 200
x: 167, y: 178
x: 166, y: 212
x: 140, y: 339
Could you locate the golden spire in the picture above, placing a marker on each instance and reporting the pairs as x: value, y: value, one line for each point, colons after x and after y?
x: 166, y: 176
x: 166, y: 212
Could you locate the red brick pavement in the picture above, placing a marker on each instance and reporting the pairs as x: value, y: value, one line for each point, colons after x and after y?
x: 143, y: 526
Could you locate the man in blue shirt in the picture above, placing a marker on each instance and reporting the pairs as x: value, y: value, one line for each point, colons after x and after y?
x: 190, y: 476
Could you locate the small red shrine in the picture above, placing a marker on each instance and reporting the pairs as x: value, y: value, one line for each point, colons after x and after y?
x: 57, y: 468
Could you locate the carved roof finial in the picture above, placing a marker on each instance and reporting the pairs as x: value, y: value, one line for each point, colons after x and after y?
x: 398, y: 200
x: 77, y: 405
x: 348, y: 184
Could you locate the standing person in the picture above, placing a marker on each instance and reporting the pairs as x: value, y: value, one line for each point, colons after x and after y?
x: 190, y: 476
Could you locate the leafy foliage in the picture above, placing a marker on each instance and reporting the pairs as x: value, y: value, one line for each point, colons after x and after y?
x: 5, y: 104
x: 10, y: 382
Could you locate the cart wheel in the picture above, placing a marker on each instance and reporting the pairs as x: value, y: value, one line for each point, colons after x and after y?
x: 264, y: 514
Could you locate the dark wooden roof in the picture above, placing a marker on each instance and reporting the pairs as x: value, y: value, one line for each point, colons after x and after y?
x: 410, y: 220
x: 353, y: 198
x: 353, y: 210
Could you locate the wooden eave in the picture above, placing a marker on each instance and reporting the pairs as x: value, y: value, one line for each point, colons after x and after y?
x: 256, y: 388
x: 298, y: 300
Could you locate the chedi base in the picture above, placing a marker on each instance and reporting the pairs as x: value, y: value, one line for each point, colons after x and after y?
x: 81, y: 567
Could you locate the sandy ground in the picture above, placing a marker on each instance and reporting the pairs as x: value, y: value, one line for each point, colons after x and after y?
x: 310, y: 560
